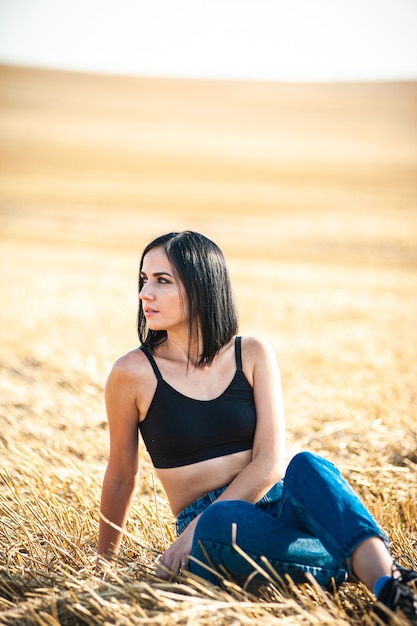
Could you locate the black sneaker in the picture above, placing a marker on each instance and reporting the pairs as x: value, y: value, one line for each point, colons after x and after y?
x: 397, y: 599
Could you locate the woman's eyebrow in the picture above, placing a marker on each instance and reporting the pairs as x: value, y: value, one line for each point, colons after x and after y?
x: 158, y: 274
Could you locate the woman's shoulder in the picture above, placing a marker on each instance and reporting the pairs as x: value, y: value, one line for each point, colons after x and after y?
x: 260, y: 361
x: 131, y: 383
x: 258, y: 355
x: 132, y: 366
x: 256, y: 347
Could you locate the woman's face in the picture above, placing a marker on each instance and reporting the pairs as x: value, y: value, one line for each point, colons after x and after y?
x: 164, y: 301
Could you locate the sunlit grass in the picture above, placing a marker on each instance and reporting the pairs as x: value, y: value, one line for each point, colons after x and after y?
x: 331, y: 282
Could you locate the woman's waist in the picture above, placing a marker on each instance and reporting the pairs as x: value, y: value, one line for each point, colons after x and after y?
x: 183, y: 485
x: 185, y: 516
x: 272, y: 495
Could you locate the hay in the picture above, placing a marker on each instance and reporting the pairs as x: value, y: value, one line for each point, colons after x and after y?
x: 323, y: 263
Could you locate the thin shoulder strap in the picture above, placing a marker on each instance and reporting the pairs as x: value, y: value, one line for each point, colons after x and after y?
x: 238, y: 352
x: 152, y: 362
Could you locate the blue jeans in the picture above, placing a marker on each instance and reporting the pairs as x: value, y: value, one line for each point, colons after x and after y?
x: 310, y: 522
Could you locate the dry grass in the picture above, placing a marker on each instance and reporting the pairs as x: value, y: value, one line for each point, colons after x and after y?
x: 311, y: 192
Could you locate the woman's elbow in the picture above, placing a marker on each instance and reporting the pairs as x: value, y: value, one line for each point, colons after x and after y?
x: 273, y: 467
x: 122, y: 480
x: 275, y: 471
x: 276, y: 465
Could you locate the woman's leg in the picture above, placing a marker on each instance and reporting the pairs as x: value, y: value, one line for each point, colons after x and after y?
x: 315, y: 528
x: 370, y: 561
x: 316, y: 494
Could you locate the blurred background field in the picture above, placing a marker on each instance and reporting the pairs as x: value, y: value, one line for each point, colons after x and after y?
x: 310, y: 190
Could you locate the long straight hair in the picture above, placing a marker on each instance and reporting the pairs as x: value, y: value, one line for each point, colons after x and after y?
x: 201, y: 267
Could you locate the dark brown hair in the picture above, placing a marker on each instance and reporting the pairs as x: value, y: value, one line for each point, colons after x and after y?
x: 201, y: 267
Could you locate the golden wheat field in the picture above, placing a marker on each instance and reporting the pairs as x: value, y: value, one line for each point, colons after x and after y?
x: 311, y: 191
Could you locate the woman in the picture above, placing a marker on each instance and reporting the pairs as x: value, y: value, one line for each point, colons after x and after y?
x: 209, y: 408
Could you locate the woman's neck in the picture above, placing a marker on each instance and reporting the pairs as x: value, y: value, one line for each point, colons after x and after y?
x: 179, y: 348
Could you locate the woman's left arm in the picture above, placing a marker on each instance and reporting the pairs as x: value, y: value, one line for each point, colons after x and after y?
x: 268, y: 453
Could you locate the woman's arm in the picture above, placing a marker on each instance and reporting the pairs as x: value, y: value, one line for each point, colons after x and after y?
x: 268, y: 453
x: 121, y: 477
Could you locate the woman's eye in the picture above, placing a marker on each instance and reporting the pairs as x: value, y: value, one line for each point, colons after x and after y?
x: 163, y: 281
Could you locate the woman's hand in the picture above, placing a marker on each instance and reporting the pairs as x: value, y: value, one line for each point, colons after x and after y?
x: 175, y: 559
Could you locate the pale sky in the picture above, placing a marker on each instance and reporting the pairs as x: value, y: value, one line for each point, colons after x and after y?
x: 284, y: 40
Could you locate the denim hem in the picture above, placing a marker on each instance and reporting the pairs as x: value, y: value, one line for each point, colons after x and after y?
x: 356, y: 542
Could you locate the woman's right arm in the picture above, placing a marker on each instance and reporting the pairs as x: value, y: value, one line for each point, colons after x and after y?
x: 121, y: 477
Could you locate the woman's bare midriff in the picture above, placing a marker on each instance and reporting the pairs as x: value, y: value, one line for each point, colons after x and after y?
x: 185, y: 484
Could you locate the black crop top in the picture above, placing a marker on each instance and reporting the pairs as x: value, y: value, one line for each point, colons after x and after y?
x: 179, y: 430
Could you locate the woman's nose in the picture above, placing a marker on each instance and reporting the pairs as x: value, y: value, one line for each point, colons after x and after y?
x: 145, y: 293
